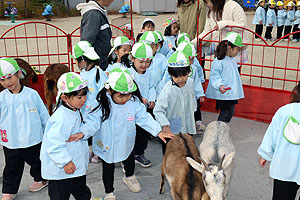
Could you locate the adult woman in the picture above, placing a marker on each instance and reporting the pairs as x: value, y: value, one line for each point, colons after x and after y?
x: 95, y: 27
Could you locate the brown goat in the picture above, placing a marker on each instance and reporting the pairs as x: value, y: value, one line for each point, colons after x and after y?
x: 51, y: 76
x: 30, y: 73
x: 185, y: 182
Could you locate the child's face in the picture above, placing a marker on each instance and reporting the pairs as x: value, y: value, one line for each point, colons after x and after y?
x: 180, y: 80
x: 12, y: 83
x: 149, y: 27
x: 126, y: 31
x: 76, y: 102
x: 154, y: 48
x: 124, y: 49
x: 272, y: 6
x: 290, y: 7
x: 233, y: 51
x: 141, y: 65
x: 119, y: 98
x: 191, y: 60
x: 262, y: 4
x: 298, y: 7
x: 81, y: 65
x: 280, y: 7
x: 174, y: 29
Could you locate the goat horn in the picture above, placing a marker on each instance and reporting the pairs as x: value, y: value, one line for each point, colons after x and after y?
x: 204, y: 163
x: 220, y: 165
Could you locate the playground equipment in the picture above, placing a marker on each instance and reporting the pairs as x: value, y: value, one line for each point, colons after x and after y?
x: 125, y: 9
x: 48, y: 11
x: 11, y: 12
x: 249, y: 3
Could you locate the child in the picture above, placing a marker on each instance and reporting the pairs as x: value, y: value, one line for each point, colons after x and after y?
x: 120, y: 52
x: 281, y: 16
x: 280, y: 145
x: 170, y: 35
x: 142, y: 55
x: 296, y: 37
x: 271, y: 20
x: 182, y: 37
x: 65, y: 163
x: 160, y: 40
x: 127, y: 31
x: 224, y: 82
x: 116, y: 115
x: 259, y: 19
x: 23, y: 120
x: 87, y: 61
x: 175, y: 106
x: 148, y: 25
x: 290, y: 18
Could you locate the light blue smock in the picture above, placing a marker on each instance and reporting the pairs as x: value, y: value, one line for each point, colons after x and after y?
x: 116, y: 138
x: 271, y: 17
x: 290, y: 18
x: 23, y: 118
x: 112, y: 66
x: 224, y: 72
x: 281, y: 17
x: 164, y: 49
x: 284, y: 156
x: 297, y: 16
x: 158, y: 67
x: 169, y: 43
x: 199, y: 70
x: 145, y: 83
x: 175, y: 107
x: 260, y: 15
x: 93, y: 86
x: 56, y: 152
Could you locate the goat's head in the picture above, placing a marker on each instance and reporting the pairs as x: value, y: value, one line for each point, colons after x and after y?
x: 213, y: 175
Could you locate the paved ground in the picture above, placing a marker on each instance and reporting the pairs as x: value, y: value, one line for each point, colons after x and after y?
x: 250, y: 182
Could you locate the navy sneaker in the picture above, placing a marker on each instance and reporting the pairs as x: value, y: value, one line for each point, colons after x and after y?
x: 142, y: 160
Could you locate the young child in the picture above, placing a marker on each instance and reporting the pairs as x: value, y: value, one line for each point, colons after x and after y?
x: 290, y: 18
x: 23, y: 120
x: 87, y: 61
x: 120, y: 52
x: 170, y: 35
x: 296, y: 37
x: 280, y: 146
x: 160, y: 40
x: 224, y: 82
x: 259, y: 19
x: 127, y: 31
x: 182, y: 37
x: 271, y: 20
x: 142, y: 55
x: 116, y: 115
x: 65, y: 163
x: 281, y: 16
x: 148, y: 25
x: 175, y: 106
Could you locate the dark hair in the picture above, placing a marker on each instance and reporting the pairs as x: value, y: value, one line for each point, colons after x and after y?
x: 89, y: 61
x: 124, y: 59
x: 222, y: 49
x: 138, y: 37
x: 218, y: 6
x: 168, y: 31
x: 295, y: 95
x: 104, y: 103
x: 179, y: 71
x: 179, y: 2
x: 148, y: 23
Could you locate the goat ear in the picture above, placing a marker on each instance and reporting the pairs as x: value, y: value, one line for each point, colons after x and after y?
x: 228, y: 160
x: 197, y: 166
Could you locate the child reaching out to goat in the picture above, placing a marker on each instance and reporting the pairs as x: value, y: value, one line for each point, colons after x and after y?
x: 65, y: 163
x: 23, y: 120
x: 280, y: 146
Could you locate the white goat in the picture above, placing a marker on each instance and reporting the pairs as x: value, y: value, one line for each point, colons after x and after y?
x: 217, y: 156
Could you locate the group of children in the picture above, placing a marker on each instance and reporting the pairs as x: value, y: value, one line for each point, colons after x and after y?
x: 141, y: 93
x: 286, y: 19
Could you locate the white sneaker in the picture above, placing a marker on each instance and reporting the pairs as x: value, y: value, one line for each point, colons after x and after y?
x: 132, y: 183
x: 257, y: 39
x: 110, y: 196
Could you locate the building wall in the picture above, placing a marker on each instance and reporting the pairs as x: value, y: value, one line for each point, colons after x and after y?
x: 116, y: 4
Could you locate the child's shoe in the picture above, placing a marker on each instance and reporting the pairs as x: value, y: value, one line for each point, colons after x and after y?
x: 95, y: 159
x: 257, y: 39
x: 285, y: 39
x: 123, y: 169
x: 110, y: 196
x: 37, y: 186
x: 8, y: 196
x: 132, y: 183
x: 142, y: 160
x: 200, y: 127
x: 295, y: 40
x: 272, y: 39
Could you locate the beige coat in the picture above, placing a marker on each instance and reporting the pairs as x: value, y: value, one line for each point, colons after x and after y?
x: 187, y: 17
x: 233, y: 14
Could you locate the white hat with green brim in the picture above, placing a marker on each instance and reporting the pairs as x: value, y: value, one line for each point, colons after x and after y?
x: 183, y: 37
x: 119, y: 41
x: 187, y: 48
x: 159, y: 35
x: 142, y: 51
x: 178, y: 59
x: 84, y: 48
x: 149, y: 37
x: 8, y: 67
x: 120, y: 80
x: 235, y: 39
x: 70, y: 82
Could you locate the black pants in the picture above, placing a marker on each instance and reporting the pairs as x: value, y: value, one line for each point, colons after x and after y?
x: 197, y: 114
x: 295, y: 28
x: 226, y: 108
x: 284, y: 190
x: 287, y: 30
x: 268, y: 34
x: 14, y: 166
x: 203, y: 66
x: 62, y: 189
x: 259, y: 30
x: 279, y: 31
x: 164, y: 145
x: 109, y: 169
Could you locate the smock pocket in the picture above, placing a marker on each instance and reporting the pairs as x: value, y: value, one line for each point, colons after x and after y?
x: 291, y: 131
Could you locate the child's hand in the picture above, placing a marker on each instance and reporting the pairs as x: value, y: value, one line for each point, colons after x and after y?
x: 107, y: 73
x: 70, y: 168
x: 260, y: 22
x: 76, y: 137
x: 145, y: 101
x: 222, y: 89
x: 201, y: 99
x: 162, y: 135
x: 151, y: 104
x: 262, y: 162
